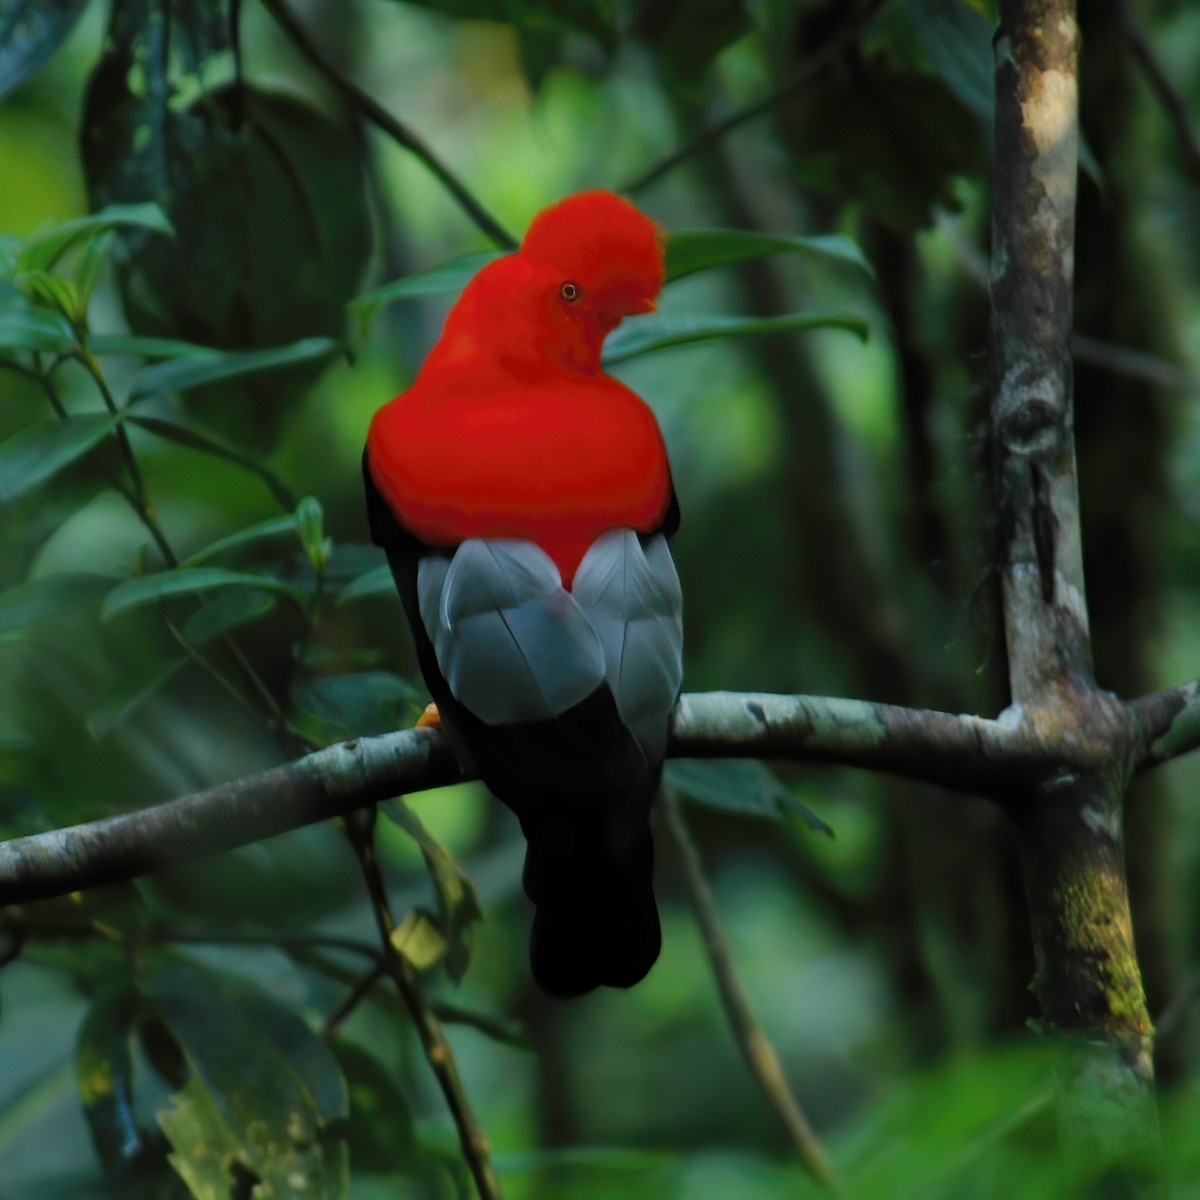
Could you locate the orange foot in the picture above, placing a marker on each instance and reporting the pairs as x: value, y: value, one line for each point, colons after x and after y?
x: 430, y: 717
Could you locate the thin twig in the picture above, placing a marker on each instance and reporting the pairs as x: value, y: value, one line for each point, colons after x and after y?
x: 1172, y: 102
x: 360, y: 991
x: 360, y: 828
x: 379, y: 116
x: 758, y: 1052
x: 709, y: 137
x: 141, y: 504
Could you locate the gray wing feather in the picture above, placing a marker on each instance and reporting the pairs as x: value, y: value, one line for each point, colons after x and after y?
x: 630, y: 593
x: 512, y: 644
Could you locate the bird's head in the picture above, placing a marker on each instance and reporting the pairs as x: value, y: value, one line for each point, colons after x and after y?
x: 585, y: 264
x: 606, y: 255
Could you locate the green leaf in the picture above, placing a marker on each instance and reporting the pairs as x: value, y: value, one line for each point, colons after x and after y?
x: 23, y: 327
x: 376, y: 582
x: 458, y: 901
x: 30, y: 31
x: 48, y: 596
x: 419, y: 939
x: 225, y: 612
x: 38, y: 452
x: 250, y: 536
x: 448, y: 278
x: 957, y: 40
x: 205, y: 1147
x: 267, y: 195
x: 187, y: 581
x: 137, y: 346
x: 104, y: 1071
x: 183, y: 374
x: 692, y: 250
x: 738, y: 785
x: 90, y: 262
x: 44, y: 288
x: 264, y: 1091
x: 201, y: 442
x: 644, y: 335
x: 380, y: 1133
x: 46, y: 247
x: 331, y: 708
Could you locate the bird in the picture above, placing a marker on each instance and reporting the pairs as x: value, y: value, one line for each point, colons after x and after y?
x: 524, y: 498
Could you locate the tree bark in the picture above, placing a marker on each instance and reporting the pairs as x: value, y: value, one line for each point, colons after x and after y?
x: 1070, y: 808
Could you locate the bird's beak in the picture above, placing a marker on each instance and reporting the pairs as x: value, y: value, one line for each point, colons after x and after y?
x: 648, y: 305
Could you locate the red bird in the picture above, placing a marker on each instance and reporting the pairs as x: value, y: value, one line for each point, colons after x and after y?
x: 524, y: 499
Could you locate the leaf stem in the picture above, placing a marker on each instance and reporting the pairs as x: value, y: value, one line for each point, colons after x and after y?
x: 758, y: 1052
x: 360, y: 827
x: 397, y: 131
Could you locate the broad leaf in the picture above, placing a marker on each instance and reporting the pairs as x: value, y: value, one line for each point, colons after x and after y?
x: 38, y: 452
x: 644, y: 335
x: 186, y: 581
x: 447, y: 279
x: 267, y: 197
x: 692, y: 250
x: 738, y: 785
x: 30, y: 31
x: 458, y: 901
x: 264, y: 1091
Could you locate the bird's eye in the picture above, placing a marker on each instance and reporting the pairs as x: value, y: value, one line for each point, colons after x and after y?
x: 570, y: 292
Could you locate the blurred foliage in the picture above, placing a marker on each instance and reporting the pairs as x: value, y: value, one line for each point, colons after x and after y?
x: 212, y: 272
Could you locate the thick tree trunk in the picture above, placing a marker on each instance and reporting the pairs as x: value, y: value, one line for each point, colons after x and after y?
x: 1070, y: 806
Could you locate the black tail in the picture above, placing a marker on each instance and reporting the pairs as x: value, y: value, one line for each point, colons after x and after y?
x: 596, y: 921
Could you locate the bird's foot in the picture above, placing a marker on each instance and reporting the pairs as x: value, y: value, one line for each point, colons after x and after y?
x: 429, y: 718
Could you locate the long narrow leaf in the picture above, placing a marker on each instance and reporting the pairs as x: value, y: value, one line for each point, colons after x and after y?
x: 263, y: 530
x: 44, y: 249
x: 643, y: 335
x: 692, y: 250
x: 187, y: 581
x: 376, y: 582
x: 23, y: 327
x: 181, y: 375
x: 446, y: 279
x: 38, y: 452
x: 140, y: 346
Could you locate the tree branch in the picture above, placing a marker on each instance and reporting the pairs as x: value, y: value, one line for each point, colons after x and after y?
x: 965, y: 752
x: 1168, y: 723
x: 398, y: 132
x: 758, y: 1052
x: 708, y: 138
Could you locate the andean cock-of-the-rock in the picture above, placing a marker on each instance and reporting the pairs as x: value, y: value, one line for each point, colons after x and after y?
x: 524, y: 499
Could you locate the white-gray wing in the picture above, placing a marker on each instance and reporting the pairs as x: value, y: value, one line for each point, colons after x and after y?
x: 511, y: 642
x: 630, y: 593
